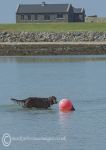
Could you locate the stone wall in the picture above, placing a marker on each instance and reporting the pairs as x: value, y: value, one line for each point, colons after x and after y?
x: 52, y: 37
x: 95, y: 19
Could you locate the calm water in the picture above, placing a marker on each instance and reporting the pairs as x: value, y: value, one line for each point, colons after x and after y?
x: 80, y: 78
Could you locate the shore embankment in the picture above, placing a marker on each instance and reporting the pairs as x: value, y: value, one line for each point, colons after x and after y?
x: 51, y: 43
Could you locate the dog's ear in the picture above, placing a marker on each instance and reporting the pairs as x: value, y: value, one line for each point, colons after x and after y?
x: 54, y: 99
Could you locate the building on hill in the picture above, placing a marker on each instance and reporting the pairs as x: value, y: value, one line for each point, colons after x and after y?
x: 32, y: 13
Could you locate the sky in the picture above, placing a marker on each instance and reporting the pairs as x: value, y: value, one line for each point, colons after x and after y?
x: 92, y: 7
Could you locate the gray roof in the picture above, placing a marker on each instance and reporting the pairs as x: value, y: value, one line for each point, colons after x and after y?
x: 78, y: 10
x: 38, y: 8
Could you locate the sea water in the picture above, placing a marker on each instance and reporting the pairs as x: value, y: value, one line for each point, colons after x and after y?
x: 79, y: 78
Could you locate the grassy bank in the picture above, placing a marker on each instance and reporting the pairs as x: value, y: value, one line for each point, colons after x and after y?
x: 54, y: 27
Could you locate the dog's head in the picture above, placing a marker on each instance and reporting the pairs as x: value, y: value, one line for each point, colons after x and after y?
x: 52, y: 100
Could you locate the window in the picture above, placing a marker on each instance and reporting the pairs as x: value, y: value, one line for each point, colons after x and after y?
x: 29, y: 17
x: 22, y: 17
x: 59, y: 15
x: 46, y: 17
x: 35, y: 17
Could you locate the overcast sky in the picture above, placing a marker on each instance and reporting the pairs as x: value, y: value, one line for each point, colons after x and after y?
x: 92, y: 7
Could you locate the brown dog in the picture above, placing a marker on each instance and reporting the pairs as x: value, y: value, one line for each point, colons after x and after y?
x: 36, y: 102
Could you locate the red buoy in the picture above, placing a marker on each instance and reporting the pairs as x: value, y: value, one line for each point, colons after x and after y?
x: 66, y: 105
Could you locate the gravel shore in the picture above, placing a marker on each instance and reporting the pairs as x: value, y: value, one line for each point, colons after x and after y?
x: 52, y: 48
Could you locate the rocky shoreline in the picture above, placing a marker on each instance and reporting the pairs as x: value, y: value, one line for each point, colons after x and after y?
x: 45, y: 43
x: 52, y: 48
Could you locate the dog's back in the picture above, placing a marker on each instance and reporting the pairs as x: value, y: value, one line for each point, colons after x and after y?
x: 36, y: 102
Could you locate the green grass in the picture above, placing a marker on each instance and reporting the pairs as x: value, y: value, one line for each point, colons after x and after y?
x: 54, y: 27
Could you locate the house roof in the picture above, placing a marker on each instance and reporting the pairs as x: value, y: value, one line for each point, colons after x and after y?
x: 78, y: 10
x: 42, y: 8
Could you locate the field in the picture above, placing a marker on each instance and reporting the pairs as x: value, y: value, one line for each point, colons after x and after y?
x: 54, y: 27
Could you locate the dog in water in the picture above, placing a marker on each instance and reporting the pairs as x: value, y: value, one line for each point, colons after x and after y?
x: 36, y: 102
